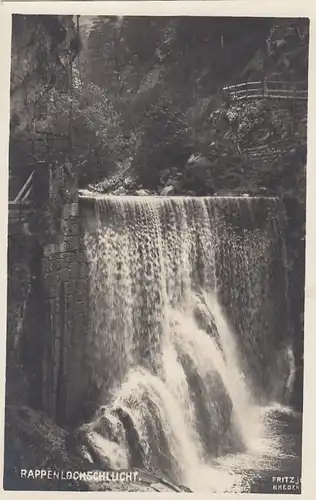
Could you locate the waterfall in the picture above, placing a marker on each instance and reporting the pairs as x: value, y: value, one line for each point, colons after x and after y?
x: 189, y: 337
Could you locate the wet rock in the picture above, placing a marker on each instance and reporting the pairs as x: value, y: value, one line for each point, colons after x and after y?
x: 167, y: 191
x: 142, y: 192
x: 214, y: 409
x: 34, y: 442
x: 145, y: 482
x: 136, y: 450
x: 108, y: 425
x: 120, y: 191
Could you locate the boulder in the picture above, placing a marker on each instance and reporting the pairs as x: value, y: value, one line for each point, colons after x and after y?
x: 34, y: 442
x: 141, y: 192
x: 120, y: 191
x: 167, y: 191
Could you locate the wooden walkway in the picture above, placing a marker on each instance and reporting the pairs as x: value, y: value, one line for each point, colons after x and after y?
x: 29, y: 180
x: 21, y: 208
x: 267, y: 90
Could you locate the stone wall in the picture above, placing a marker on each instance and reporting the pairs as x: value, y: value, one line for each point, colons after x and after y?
x: 65, y: 285
x: 48, y: 300
x: 19, y: 282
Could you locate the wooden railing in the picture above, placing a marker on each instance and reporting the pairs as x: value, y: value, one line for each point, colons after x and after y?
x: 278, y: 144
x: 24, y: 195
x: 267, y: 89
x: 21, y: 207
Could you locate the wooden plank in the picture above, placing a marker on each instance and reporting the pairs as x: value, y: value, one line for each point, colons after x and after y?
x: 267, y: 89
x: 24, y: 188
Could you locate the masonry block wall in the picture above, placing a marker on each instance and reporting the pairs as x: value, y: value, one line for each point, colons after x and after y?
x: 48, y: 303
x: 65, y: 285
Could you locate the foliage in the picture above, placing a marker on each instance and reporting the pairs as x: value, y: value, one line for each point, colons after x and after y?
x: 147, y: 89
x: 153, y: 68
x: 165, y: 141
x: 97, y: 139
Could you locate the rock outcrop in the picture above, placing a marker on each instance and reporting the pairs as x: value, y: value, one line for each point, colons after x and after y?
x: 33, y: 442
x: 42, y: 47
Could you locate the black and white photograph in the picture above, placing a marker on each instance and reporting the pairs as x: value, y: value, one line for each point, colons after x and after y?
x: 156, y: 253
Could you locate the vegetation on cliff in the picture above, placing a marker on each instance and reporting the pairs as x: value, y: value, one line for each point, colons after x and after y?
x: 42, y: 47
x: 146, y: 95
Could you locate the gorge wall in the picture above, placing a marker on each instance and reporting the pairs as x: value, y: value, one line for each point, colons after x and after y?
x: 51, y: 260
x: 42, y: 48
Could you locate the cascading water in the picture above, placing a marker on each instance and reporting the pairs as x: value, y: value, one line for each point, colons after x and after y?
x: 188, y: 341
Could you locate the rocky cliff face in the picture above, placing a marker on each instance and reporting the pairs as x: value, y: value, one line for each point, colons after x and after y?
x: 42, y: 49
x: 42, y: 46
x: 68, y: 462
x: 190, y: 137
